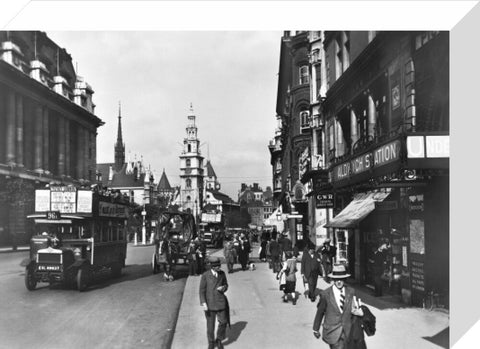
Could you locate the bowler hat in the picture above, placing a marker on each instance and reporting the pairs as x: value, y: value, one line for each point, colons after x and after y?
x: 338, y: 272
x: 214, y: 262
x: 327, y: 241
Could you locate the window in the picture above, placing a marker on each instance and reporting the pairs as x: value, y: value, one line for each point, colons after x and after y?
x: 189, y: 148
x: 423, y: 38
x: 304, y: 119
x: 188, y: 183
x: 342, y: 49
x: 303, y: 74
x: 188, y: 162
x: 331, y: 137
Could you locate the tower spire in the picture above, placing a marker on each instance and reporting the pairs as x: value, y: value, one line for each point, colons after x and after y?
x: 119, y: 145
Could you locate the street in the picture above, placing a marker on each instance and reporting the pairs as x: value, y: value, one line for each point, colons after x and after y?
x: 137, y: 310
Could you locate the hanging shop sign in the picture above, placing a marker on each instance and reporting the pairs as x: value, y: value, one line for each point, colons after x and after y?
x: 383, y: 155
x: 324, y: 200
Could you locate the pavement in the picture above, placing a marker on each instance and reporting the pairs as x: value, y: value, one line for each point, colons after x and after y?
x: 11, y: 249
x: 259, y: 318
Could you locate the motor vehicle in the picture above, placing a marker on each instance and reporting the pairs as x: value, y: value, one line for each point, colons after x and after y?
x: 79, y: 233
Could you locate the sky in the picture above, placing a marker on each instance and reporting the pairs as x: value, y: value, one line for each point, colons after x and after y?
x: 230, y: 77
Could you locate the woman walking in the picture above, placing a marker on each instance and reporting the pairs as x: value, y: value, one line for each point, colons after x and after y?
x: 289, y: 269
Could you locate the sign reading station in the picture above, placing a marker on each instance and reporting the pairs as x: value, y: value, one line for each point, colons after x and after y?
x: 380, y: 156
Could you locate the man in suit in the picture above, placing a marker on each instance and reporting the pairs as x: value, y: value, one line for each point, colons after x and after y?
x: 310, y: 269
x: 213, y: 286
x: 336, y: 306
x: 327, y: 253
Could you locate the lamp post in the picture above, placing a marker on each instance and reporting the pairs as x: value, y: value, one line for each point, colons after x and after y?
x: 144, y: 230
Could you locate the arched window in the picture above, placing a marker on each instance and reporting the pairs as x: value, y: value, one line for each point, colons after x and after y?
x: 188, y: 162
x: 188, y: 183
x: 189, y: 148
x: 303, y: 75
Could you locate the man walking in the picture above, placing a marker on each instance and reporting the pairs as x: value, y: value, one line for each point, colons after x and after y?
x: 310, y: 269
x: 213, y: 286
x: 336, y: 306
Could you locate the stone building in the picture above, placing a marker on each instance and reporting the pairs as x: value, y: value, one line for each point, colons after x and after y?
x: 48, y: 126
x: 376, y: 168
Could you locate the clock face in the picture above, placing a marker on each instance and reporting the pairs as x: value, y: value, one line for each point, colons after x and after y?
x: 395, y: 97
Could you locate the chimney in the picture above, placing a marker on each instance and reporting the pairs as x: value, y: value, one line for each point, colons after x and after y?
x: 11, y: 53
x: 243, y: 187
x: 39, y: 72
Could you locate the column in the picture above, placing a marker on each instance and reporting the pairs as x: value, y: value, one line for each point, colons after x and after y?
x: 46, y: 139
x: 20, y: 131
x: 10, y: 111
x: 87, y: 164
x: 80, y: 159
x: 38, y: 134
x: 353, y: 127
x: 67, y: 148
x: 371, y: 116
x: 61, y: 146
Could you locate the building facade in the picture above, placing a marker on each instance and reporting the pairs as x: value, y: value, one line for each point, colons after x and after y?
x: 48, y: 126
x: 377, y: 166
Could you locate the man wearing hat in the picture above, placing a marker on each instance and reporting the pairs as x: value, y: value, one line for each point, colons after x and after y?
x: 336, y: 306
x: 213, y: 286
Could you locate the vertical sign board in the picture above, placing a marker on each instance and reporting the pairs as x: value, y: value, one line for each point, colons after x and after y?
x: 42, y: 200
x: 84, y: 201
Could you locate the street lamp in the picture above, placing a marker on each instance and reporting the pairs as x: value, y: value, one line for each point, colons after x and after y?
x: 144, y: 231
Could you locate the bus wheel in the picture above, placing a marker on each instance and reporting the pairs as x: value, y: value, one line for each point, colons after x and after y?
x: 82, y: 278
x: 30, y: 281
x: 155, y: 266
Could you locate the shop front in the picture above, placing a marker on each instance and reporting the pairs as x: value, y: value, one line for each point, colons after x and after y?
x: 392, y: 198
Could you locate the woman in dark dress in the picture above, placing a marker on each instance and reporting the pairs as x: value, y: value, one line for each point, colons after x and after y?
x: 263, y: 252
x: 243, y: 252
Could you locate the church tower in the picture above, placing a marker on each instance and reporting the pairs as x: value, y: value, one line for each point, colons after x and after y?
x: 191, y: 169
x: 119, y: 145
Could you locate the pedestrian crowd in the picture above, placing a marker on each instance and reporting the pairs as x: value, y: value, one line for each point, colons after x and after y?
x: 344, y: 317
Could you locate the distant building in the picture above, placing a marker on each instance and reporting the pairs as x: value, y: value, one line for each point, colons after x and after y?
x: 48, y: 126
x: 190, y: 196
x: 257, y: 202
x: 131, y: 178
x: 165, y: 192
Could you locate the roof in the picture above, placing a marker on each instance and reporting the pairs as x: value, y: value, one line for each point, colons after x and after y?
x: 221, y: 196
x: 120, y: 179
x: 210, y: 171
x: 164, y: 184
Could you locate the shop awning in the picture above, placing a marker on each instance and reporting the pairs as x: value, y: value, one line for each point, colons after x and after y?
x: 361, y: 205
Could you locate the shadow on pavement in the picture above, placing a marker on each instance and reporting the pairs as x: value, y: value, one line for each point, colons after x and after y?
x: 441, y: 339
x: 134, y: 272
x: 234, y: 332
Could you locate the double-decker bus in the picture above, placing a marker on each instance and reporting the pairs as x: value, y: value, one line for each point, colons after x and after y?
x: 78, y: 234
